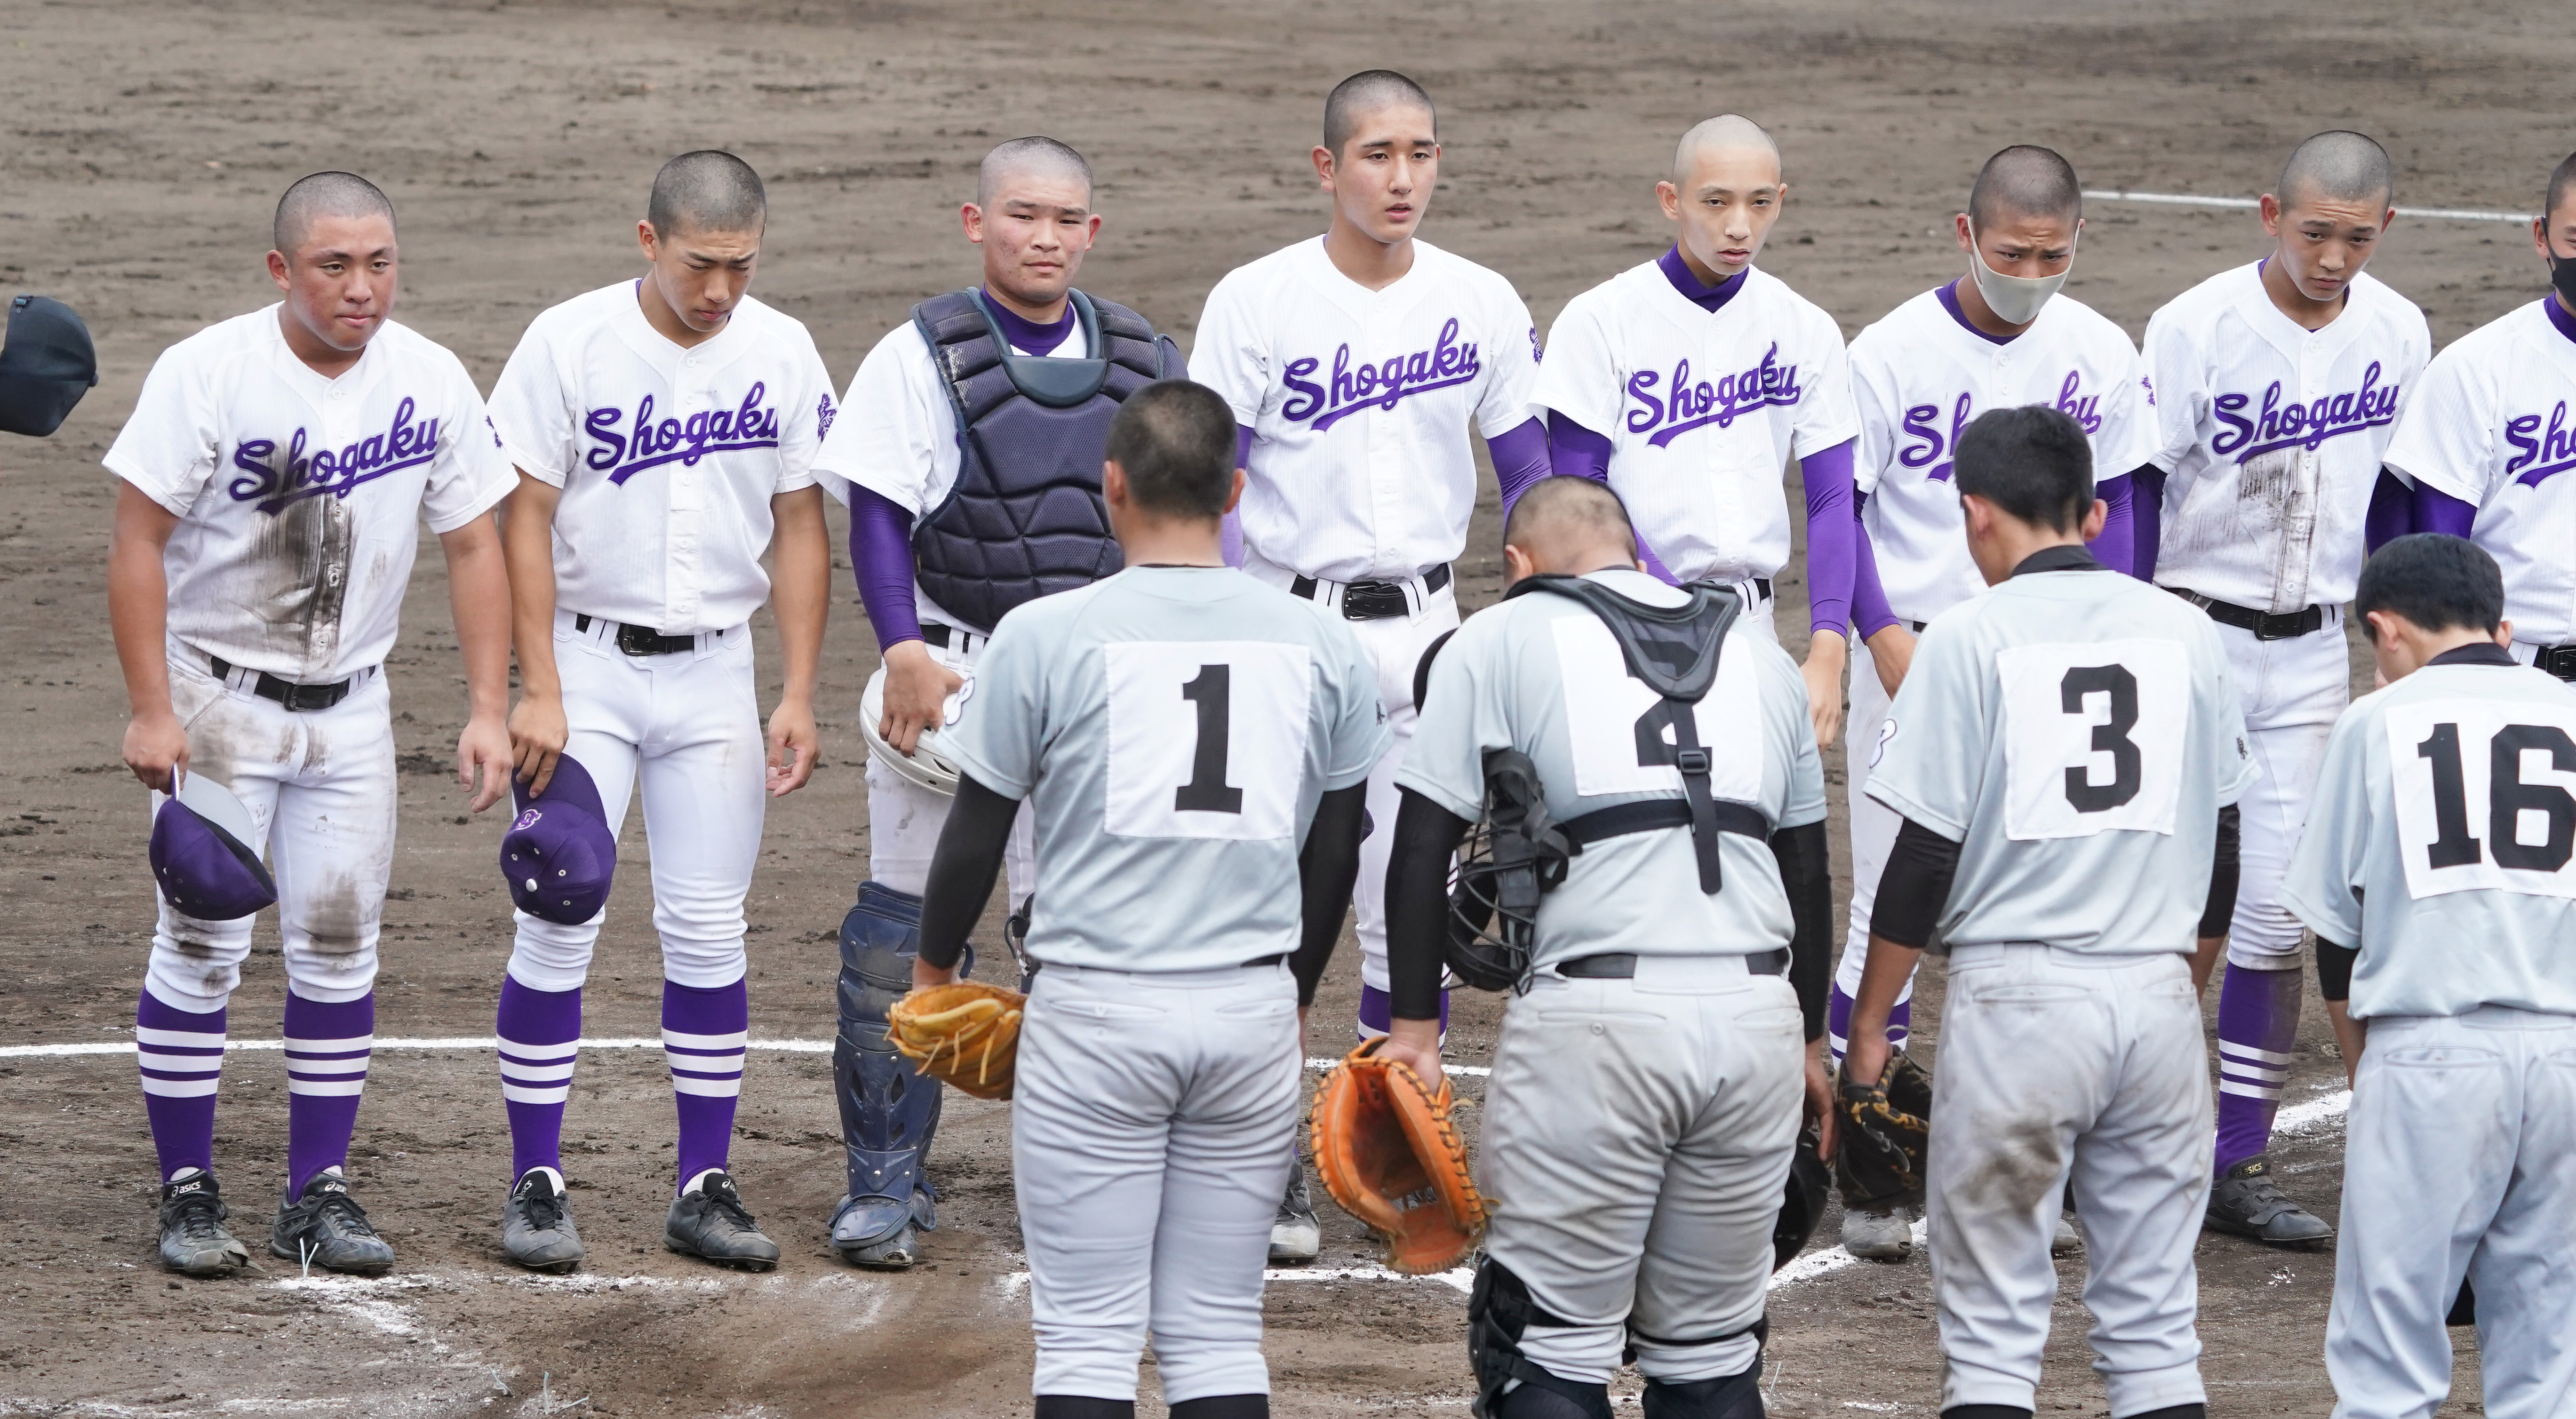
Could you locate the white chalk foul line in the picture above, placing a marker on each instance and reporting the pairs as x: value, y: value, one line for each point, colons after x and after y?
x: 2186, y: 199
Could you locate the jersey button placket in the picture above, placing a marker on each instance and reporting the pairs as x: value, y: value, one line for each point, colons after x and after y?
x: 687, y: 504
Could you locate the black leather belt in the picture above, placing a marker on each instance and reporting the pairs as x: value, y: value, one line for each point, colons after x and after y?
x: 300, y: 699
x: 1763, y: 584
x: 2266, y: 625
x: 1374, y: 600
x: 643, y: 640
x: 2558, y: 660
x: 1622, y: 965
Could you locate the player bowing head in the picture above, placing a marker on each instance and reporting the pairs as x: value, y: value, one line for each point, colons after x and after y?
x: 1725, y: 192
x: 2325, y: 216
x: 701, y: 232
x: 1380, y: 156
x: 337, y: 260
x: 2013, y: 487
x: 1032, y: 216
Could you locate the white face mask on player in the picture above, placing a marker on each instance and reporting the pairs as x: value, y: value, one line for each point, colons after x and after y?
x: 2016, y: 300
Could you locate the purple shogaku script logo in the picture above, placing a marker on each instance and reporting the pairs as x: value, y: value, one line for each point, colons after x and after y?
x: 527, y: 820
x: 1686, y: 405
x: 273, y: 482
x: 1381, y: 384
x: 823, y: 412
x: 1926, y: 442
x: 652, y: 444
x: 2301, y: 425
x: 2552, y: 452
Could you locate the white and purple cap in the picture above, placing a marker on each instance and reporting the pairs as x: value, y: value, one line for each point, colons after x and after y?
x: 559, y: 854
x: 202, y: 854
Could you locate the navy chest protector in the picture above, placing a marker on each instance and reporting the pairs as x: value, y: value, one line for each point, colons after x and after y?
x: 1026, y: 517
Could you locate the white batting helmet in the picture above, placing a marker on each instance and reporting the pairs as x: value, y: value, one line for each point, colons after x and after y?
x: 925, y: 765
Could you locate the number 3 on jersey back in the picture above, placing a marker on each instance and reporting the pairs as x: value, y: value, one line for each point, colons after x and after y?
x: 2486, y: 795
x: 2093, y: 736
x: 1207, y: 739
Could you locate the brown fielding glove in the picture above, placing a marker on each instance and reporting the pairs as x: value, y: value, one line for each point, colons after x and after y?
x: 965, y: 1033
x: 1878, y: 1154
x: 1387, y: 1152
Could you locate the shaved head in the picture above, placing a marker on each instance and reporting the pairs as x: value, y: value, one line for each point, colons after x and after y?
x: 1364, y: 93
x: 2562, y: 185
x: 325, y: 194
x: 707, y: 191
x: 2025, y: 181
x: 2338, y: 166
x: 1563, y: 520
x: 1043, y: 156
x: 1727, y: 130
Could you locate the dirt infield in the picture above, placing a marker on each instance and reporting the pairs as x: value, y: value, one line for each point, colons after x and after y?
x: 146, y: 143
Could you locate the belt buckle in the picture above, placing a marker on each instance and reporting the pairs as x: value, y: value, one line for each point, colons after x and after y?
x: 1374, y: 601
x: 638, y: 640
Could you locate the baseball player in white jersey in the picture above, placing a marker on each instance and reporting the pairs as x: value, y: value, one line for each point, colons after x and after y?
x: 274, y: 476
x: 1356, y: 364
x: 1646, y: 1094
x: 969, y: 453
x: 2277, y: 390
x: 2488, y: 433
x: 664, y: 430
x: 2436, y: 876
x: 2003, y: 337
x: 1195, y: 746
x: 2061, y: 754
x: 1688, y: 382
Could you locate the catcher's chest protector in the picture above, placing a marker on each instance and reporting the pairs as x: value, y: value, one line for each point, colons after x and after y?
x: 1026, y: 518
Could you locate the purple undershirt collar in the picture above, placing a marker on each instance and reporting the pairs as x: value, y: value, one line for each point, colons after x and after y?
x: 2559, y: 317
x: 1949, y: 295
x: 1028, y: 335
x: 1686, y: 281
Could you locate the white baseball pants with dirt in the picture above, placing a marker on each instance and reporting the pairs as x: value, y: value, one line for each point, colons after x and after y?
x: 2293, y: 691
x: 319, y: 785
x: 2055, y: 1065
x: 1153, y: 1123
x: 2459, y: 1161
x: 904, y: 818
x: 685, y: 728
x: 1636, y: 1145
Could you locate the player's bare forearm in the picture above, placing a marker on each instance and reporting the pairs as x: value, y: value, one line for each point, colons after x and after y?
x: 1891, y: 654
x: 1826, y: 656
x: 138, y: 614
x: 478, y: 594
x: 800, y: 595
x: 1881, y: 981
x: 1819, y: 1085
x: 537, y: 728
x: 2205, y: 954
x: 2350, y: 1036
x: 1415, y: 1044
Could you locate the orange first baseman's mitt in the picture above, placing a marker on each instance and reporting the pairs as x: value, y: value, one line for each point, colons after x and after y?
x: 1388, y: 1154
x: 965, y: 1033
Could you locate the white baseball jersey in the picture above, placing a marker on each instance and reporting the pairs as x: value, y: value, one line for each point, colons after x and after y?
x: 298, y: 497
x: 1921, y: 374
x: 2273, y: 436
x: 1702, y: 409
x: 2489, y: 424
x: 2076, y: 732
x: 1359, y: 402
x: 2443, y: 843
x: 667, y: 457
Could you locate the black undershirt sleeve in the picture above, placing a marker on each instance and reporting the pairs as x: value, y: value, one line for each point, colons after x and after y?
x: 2222, y: 876
x: 1807, y: 873
x: 1326, y: 871
x: 2334, y: 969
x: 962, y: 870
x: 1417, y: 904
x: 1915, y: 886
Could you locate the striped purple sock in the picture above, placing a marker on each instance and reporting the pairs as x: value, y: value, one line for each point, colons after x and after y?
x: 2258, y: 1027
x: 181, y: 1053
x: 1838, y: 1013
x: 537, y: 1030
x: 703, y: 1033
x: 327, y: 1046
x: 1377, y: 1013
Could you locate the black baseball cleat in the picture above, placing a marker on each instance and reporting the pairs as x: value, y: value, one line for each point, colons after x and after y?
x: 194, y: 1240
x: 1296, y: 1235
x: 536, y: 1225
x: 2248, y: 1203
x: 713, y: 1225
x: 327, y: 1228
x: 880, y: 1233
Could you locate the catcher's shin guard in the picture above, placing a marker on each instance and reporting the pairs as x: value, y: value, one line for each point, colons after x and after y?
x: 1510, y: 1385
x: 888, y: 1113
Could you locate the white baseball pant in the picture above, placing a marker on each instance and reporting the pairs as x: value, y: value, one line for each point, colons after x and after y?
x: 1153, y: 1124
x: 904, y: 818
x: 2293, y: 691
x: 2054, y: 1064
x: 1636, y: 1145
x: 319, y: 785
x: 1873, y: 824
x: 686, y: 727
x: 2459, y: 1161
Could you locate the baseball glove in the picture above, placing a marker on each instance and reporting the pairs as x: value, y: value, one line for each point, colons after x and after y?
x: 1387, y: 1152
x: 965, y: 1033
x: 1878, y: 1154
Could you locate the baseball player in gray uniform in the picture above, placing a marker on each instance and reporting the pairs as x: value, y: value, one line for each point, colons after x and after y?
x: 2436, y: 874
x: 1196, y: 747
x: 2062, y: 754
x: 1645, y: 1099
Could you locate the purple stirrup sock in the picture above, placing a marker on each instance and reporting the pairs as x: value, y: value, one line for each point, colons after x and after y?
x: 1377, y: 1013
x: 537, y: 1029
x: 181, y: 1053
x: 2258, y: 1026
x: 1838, y: 1013
x: 326, y: 1073
x: 703, y: 1034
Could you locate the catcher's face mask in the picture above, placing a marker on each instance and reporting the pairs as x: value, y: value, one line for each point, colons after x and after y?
x: 1514, y: 856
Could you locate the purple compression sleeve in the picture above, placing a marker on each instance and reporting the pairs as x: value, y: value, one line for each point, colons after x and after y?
x: 2438, y: 511
x: 1230, y: 535
x: 1832, y: 531
x: 1521, y: 457
x: 1869, y: 600
x: 2116, y: 548
x: 2391, y: 514
x: 2146, y: 520
x: 881, y: 559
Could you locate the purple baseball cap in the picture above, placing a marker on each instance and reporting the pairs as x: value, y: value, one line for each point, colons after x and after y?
x: 559, y: 855
x: 202, y: 854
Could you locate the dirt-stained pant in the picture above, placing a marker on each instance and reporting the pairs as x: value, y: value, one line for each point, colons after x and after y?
x: 2056, y: 1063
x: 2294, y: 690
